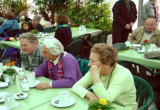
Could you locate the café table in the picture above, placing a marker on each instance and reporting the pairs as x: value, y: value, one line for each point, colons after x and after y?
x: 41, y: 99
x: 135, y: 56
x: 75, y: 34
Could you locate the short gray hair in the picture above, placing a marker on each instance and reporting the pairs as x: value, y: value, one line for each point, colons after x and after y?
x: 36, y: 18
x: 31, y: 37
x: 54, y: 46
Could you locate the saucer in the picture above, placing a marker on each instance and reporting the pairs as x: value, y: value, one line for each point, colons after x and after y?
x: 55, y: 102
x: 2, y: 94
x: 20, y: 95
x: 3, y: 84
x: 34, y: 85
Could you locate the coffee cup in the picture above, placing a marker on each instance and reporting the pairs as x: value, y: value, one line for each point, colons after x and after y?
x: 9, y: 100
x: 31, y: 79
x: 64, y: 98
x: 1, y: 67
x: 128, y: 43
x: 21, y: 74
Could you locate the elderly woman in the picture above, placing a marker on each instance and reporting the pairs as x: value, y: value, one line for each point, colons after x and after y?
x: 107, y: 79
x: 63, y: 32
x: 9, y: 24
x: 149, y: 10
x: 59, y: 66
x: 35, y: 24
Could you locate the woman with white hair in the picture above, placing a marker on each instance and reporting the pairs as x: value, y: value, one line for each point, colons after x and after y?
x: 59, y: 66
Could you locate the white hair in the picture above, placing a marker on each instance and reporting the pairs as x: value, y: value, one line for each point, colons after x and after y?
x: 54, y: 46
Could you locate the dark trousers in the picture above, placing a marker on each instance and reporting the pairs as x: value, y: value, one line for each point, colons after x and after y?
x: 120, y: 37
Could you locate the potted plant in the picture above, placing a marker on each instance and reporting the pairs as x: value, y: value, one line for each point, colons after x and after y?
x: 10, y: 72
x: 146, y: 44
x: 101, y: 104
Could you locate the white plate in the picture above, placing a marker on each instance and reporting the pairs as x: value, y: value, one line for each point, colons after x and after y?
x: 72, y: 101
x: 3, y: 84
x: 34, y: 85
x: 18, y: 96
x: 2, y: 94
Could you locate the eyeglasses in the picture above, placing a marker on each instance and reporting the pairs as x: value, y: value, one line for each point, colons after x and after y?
x: 149, y: 25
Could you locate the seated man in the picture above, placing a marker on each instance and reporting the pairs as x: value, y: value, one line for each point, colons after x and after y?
x: 59, y: 66
x: 35, y: 24
x: 149, y: 32
x: 31, y: 52
x: 23, y: 13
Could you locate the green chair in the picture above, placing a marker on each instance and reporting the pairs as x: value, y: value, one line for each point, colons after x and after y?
x: 142, y: 72
x: 144, y: 93
x: 100, y: 38
x: 49, y: 29
x: 75, y: 48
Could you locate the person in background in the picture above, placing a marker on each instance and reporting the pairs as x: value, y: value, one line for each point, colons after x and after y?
x: 107, y: 79
x: 26, y: 19
x: 24, y: 28
x: 31, y: 51
x: 35, y: 24
x: 59, y: 66
x: 149, y: 32
x: 9, y: 24
x: 45, y: 21
x: 63, y: 32
x: 124, y: 16
x: 149, y: 10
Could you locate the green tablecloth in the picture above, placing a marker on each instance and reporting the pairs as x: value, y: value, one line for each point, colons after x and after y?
x: 134, y: 56
x: 75, y: 34
x: 41, y: 99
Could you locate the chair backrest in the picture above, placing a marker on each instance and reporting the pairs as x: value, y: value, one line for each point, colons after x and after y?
x: 2, y: 52
x: 75, y: 48
x: 12, y: 33
x: 144, y: 93
x: 137, y: 69
x: 49, y: 29
x: 102, y: 37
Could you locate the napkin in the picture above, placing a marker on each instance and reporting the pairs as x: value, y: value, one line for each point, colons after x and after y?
x: 5, y: 108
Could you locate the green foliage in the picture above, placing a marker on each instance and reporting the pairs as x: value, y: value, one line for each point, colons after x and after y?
x: 96, y: 105
x: 34, y: 31
x: 76, y: 12
x: 16, y: 6
x: 10, y: 71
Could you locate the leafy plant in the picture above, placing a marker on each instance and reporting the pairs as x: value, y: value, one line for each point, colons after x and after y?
x: 145, y: 42
x: 102, y: 104
x: 16, y: 6
x: 34, y: 31
x: 10, y: 70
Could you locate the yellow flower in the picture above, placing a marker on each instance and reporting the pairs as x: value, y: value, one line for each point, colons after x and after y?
x: 103, y: 102
x: 99, y: 109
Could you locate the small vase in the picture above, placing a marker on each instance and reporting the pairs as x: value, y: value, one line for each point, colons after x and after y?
x: 146, y: 48
x: 10, y: 79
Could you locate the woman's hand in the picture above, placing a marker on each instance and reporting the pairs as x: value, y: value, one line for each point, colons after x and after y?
x: 43, y: 86
x: 91, y: 96
x: 95, y: 72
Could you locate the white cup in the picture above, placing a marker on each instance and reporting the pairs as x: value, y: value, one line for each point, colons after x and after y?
x: 64, y: 98
x: 31, y: 79
x: 83, y: 27
x: 21, y: 74
x: 9, y: 100
x: 1, y: 67
x: 128, y: 43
